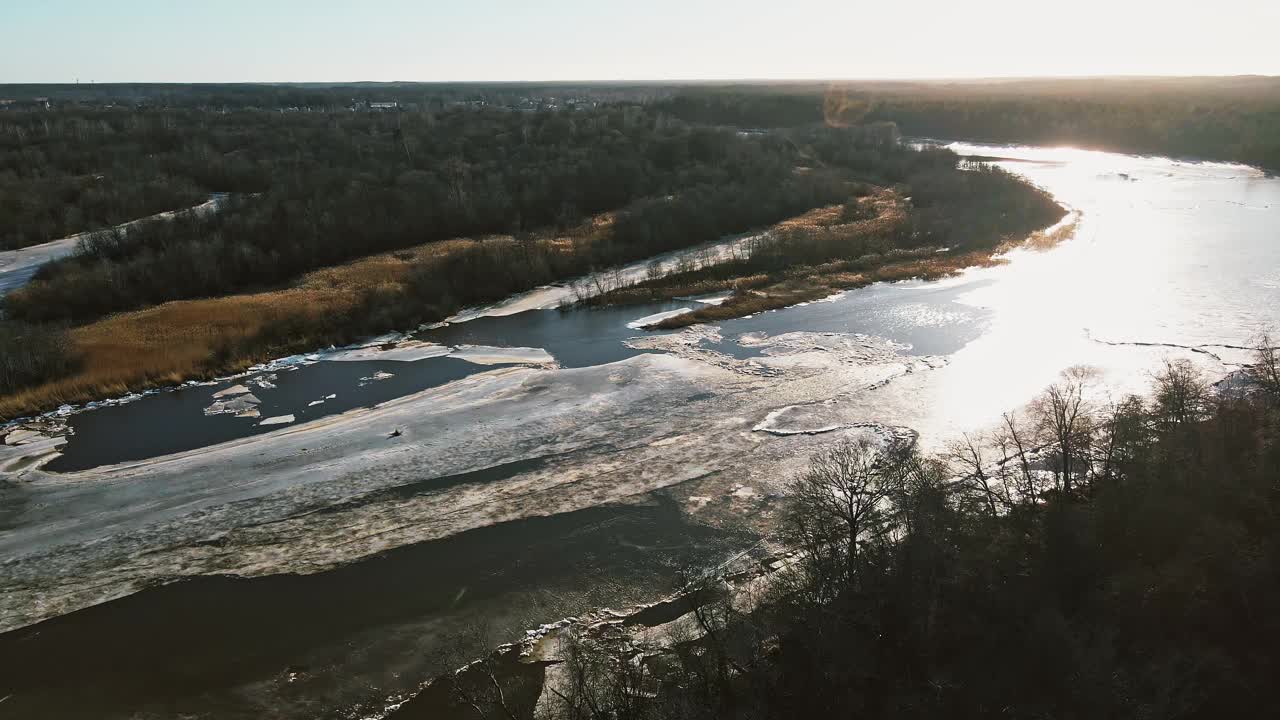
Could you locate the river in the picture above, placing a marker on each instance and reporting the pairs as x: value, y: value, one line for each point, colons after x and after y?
x: 325, y: 563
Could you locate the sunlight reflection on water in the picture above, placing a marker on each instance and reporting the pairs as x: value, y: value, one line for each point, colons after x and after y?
x: 1166, y: 251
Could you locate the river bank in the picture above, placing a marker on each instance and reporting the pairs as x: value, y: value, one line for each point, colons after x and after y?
x: 17, y: 267
x: 714, y: 419
x: 831, y: 250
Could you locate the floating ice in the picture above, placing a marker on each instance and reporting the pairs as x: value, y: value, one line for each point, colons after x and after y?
x: 278, y: 420
x: 403, y: 351
x: 233, y: 406
x: 233, y: 390
x: 484, y: 355
x: 264, y: 381
x: 379, y: 375
x: 21, y: 436
x: 655, y: 318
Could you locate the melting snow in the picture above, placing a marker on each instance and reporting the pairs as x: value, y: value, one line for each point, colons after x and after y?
x: 648, y: 320
x: 233, y: 390
x: 403, y: 351
x: 483, y: 355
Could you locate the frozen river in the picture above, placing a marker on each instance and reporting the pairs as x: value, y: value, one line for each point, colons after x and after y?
x: 326, y: 560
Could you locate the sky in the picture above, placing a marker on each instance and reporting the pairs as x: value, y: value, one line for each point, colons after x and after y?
x: 438, y: 40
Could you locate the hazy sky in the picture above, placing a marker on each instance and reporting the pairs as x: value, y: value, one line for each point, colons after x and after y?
x: 288, y: 40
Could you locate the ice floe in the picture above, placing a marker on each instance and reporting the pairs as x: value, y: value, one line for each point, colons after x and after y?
x: 278, y: 420
x: 485, y: 355
x: 265, y: 382
x: 655, y: 318
x: 233, y: 390
x: 399, y: 350
x: 234, y: 405
x: 379, y: 375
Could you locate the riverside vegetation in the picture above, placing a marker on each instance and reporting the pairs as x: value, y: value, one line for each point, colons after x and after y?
x: 529, y: 184
x: 1087, y: 560
x: 369, y: 222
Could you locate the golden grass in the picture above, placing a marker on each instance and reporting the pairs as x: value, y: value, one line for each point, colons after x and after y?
x: 805, y: 283
x: 174, y: 342
x: 164, y: 345
x: 1050, y: 238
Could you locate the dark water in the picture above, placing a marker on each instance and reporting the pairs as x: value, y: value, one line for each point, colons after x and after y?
x: 174, y: 421
x: 922, y: 316
x: 220, y: 646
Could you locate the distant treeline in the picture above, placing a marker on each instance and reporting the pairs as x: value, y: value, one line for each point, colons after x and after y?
x: 1232, y: 119
x: 318, y: 96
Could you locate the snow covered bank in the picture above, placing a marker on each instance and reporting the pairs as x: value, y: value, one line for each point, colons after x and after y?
x: 647, y: 320
x: 18, y: 266
x: 553, y: 296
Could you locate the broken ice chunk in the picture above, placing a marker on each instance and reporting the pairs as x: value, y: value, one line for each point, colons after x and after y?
x: 238, y: 404
x: 233, y: 390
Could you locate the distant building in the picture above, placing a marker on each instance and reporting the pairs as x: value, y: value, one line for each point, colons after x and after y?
x: 41, y: 103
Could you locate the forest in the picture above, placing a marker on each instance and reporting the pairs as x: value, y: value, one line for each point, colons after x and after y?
x: 547, y: 183
x: 1231, y: 119
x: 1088, y: 559
x: 541, y: 196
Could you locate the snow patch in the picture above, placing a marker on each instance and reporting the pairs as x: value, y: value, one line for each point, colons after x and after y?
x: 234, y: 406
x: 233, y: 390
x: 655, y: 318
x: 379, y: 375
x: 399, y: 350
x: 485, y: 355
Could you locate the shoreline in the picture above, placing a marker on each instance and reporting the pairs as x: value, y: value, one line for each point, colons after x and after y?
x: 754, y: 292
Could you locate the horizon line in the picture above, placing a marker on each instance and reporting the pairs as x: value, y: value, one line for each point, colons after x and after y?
x: 675, y: 81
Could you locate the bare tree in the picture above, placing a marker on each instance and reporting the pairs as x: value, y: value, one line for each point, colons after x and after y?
x: 1065, y: 421
x: 966, y: 461
x: 1182, y: 394
x: 1266, y: 365
x: 477, y: 685
x: 600, y: 680
x: 838, y: 505
x: 1014, y: 467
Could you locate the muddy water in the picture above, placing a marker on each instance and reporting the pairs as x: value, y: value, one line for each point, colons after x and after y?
x: 512, y: 493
